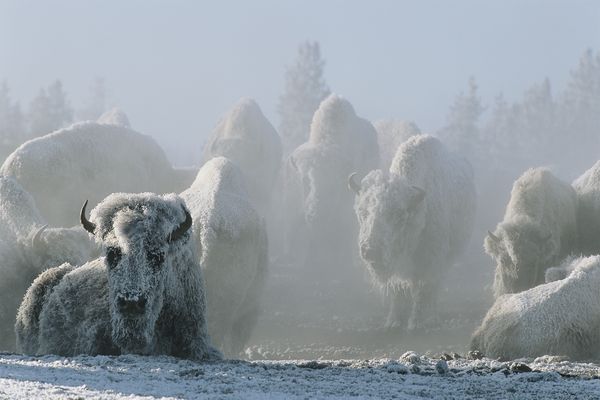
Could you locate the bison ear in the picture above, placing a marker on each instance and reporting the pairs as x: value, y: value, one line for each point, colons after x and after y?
x: 493, y: 237
x: 293, y: 163
x: 353, y: 184
x: 418, y: 197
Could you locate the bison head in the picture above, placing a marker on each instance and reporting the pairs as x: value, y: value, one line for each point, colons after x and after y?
x: 391, y: 215
x: 522, y: 251
x: 142, y: 236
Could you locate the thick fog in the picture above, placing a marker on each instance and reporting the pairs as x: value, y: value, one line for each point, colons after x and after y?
x: 319, y: 106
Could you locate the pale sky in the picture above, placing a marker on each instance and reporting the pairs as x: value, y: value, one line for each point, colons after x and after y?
x: 176, y: 66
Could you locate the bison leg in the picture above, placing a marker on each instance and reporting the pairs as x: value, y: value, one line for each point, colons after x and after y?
x: 424, y: 310
x: 399, y: 308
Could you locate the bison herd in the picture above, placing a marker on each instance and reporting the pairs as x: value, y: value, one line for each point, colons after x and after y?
x: 155, y: 272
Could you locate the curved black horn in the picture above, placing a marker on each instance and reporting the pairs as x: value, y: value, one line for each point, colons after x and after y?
x: 352, y: 184
x: 87, y: 225
x: 36, y: 238
x: 182, y: 228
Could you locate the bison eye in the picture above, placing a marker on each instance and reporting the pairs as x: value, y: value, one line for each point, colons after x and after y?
x: 156, y: 258
x: 113, y: 256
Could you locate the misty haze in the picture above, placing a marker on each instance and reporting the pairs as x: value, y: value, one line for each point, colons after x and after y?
x: 300, y: 199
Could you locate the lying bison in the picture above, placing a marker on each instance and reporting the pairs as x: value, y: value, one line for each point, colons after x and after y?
x: 557, y: 318
x: 27, y: 248
x: 145, y: 296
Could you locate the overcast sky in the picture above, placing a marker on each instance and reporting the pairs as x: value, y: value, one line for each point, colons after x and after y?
x: 176, y: 66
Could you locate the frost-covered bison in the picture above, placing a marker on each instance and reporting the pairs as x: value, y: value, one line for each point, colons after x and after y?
x: 28, y: 247
x: 557, y: 318
x: 318, y: 216
x: 234, y: 253
x: 146, y: 295
x: 538, y: 231
x: 114, y: 116
x: 587, y: 187
x: 391, y: 133
x: 92, y: 160
x: 415, y: 221
x: 248, y: 139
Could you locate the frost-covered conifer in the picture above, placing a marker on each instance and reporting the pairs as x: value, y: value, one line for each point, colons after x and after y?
x: 304, y: 90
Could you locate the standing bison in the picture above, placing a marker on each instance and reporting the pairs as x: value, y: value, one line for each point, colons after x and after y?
x: 234, y: 254
x: 538, y: 231
x: 414, y: 223
x: 145, y: 296
x: 391, y: 133
x: 248, y: 139
x: 318, y: 207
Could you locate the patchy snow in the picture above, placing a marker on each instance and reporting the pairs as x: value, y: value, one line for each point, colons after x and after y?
x: 410, y: 377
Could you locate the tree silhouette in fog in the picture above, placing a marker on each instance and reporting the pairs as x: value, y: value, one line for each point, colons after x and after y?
x: 49, y: 111
x: 304, y: 90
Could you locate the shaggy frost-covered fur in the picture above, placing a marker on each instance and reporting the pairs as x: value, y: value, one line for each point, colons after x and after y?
x: 587, y: 187
x: 88, y: 160
x: 114, y: 116
x: 415, y: 221
x: 318, y: 205
x: 248, y: 139
x: 27, y: 248
x: 557, y: 318
x: 146, y: 295
x: 538, y: 231
x: 391, y: 133
x: 234, y: 253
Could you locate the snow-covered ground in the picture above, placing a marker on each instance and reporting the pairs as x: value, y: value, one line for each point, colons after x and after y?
x: 410, y: 377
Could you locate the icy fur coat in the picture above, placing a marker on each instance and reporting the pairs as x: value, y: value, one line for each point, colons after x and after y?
x: 145, y: 296
x: 233, y: 252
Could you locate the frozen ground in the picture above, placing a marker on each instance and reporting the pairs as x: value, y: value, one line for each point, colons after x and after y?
x: 411, y: 377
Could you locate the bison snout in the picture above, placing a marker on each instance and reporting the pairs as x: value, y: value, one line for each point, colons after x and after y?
x: 131, y: 306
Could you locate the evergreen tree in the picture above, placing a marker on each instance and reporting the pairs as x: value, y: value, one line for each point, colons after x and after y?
x: 580, y: 109
x: 304, y: 90
x: 536, y: 124
x: 96, y: 104
x: 12, y: 127
x: 461, y: 132
x: 49, y: 111
x: 499, y: 134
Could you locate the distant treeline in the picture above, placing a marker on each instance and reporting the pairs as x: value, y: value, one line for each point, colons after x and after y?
x: 560, y: 130
x: 48, y: 111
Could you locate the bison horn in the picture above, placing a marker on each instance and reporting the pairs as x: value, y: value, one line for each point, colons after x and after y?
x: 352, y: 184
x: 87, y: 225
x: 182, y: 228
x: 493, y: 237
x: 35, y: 241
